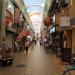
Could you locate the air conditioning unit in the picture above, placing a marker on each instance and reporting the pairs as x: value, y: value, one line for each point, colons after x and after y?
x: 64, y: 3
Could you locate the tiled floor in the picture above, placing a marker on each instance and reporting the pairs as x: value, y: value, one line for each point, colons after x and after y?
x: 37, y: 62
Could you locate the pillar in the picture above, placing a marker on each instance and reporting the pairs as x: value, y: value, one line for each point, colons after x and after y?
x: 0, y: 17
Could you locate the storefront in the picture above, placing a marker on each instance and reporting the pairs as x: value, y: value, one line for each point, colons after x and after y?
x: 54, y: 38
x: 9, y: 21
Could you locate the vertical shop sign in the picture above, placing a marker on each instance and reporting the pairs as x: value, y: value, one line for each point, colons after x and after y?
x: 16, y: 15
x: 8, y: 19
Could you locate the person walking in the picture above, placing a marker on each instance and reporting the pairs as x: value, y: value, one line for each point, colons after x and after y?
x: 20, y: 46
x: 35, y: 41
x: 16, y: 46
x: 26, y: 46
x: 32, y: 44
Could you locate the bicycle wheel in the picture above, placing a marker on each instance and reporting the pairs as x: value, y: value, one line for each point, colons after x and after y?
x: 70, y: 71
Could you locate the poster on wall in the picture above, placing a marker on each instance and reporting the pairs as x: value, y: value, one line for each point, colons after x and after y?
x: 65, y: 21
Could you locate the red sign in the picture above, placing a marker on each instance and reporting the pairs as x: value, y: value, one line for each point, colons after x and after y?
x: 26, y: 33
x: 8, y: 21
x: 22, y: 34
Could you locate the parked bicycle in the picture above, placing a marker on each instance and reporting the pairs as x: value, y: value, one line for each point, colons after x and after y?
x: 70, y: 70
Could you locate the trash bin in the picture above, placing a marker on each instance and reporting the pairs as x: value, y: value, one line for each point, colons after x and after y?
x: 9, y: 61
x: 9, y: 56
x: 66, y: 54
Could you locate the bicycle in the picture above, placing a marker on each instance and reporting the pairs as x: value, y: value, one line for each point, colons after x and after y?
x: 69, y: 71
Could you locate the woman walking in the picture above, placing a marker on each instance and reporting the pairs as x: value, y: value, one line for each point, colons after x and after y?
x: 26, y: 46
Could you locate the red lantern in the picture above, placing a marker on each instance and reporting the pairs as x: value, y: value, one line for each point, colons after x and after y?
x: 48, y: 21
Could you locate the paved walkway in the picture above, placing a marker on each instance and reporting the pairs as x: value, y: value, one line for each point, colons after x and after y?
x: 37, y: 62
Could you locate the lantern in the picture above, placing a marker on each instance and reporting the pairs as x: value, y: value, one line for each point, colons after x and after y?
x: 48, y: 21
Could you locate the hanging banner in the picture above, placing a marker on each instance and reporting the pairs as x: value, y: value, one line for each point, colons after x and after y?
x: 8, y: 19
x: 16, y: 15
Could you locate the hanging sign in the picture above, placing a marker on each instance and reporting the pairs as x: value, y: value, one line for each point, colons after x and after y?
x: 8, y: 19
x: 16, y: 15
x: 47, y: 21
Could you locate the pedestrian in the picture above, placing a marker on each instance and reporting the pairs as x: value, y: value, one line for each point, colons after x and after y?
x: 16, y: 45
x: 35, y: 41
x: 26, y: 46
x: 32, y: 44
x: 20, y: 46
